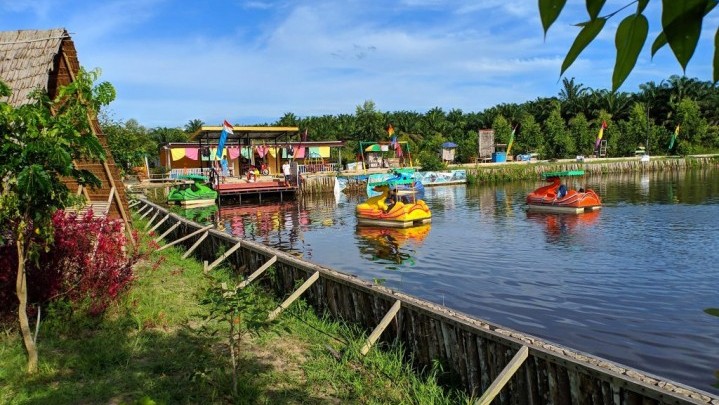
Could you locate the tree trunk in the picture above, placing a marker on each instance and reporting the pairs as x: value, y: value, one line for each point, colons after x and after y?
x: 21, y: 291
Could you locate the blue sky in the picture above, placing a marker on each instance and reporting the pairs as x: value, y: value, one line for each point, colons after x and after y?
x: 253, y: 61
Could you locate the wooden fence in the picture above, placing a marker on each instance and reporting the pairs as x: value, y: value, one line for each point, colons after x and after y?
x: 502, y: 365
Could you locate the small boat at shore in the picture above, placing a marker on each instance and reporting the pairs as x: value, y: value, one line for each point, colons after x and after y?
x: 195, y: 192
x: 396, y: 205
x: 556, y: 197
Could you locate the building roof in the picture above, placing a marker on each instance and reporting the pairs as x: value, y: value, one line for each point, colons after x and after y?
x: 239, y: 132
x: 26, y: 59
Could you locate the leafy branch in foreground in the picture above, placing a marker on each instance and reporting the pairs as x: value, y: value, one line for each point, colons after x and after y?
x: 681, y: 23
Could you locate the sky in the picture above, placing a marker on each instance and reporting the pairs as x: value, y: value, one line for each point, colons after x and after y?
x: 251, y: 62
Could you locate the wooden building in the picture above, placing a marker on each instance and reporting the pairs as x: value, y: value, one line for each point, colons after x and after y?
x: 258, y: 146
x: 47, y: 59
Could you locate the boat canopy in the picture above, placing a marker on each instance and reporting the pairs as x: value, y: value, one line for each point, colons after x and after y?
x: 567, y: 173
x: 401, y: 176
x: 193, y: 177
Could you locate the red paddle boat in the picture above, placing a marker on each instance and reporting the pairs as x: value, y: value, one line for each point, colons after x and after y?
x: 556, y: 197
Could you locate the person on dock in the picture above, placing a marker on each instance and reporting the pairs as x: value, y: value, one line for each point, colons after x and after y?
x: 286, y: 172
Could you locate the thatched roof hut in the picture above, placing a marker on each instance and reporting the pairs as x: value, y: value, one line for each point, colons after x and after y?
x: 47, y: 59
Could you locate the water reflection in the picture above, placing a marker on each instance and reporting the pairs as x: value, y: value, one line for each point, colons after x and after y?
x: 561, y: 228
x: 201, y: 215
x: 394, y: 246
x: 278, y: 224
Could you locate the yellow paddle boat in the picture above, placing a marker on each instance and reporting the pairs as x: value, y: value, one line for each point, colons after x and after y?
x: 393, y: 207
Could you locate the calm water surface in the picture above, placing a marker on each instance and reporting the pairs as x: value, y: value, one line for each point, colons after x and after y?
x: 629, y: 283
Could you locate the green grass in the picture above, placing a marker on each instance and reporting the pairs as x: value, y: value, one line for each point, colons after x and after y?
x: 156, y: 343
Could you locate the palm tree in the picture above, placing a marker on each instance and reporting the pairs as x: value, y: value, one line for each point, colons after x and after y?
x: 193, y: 126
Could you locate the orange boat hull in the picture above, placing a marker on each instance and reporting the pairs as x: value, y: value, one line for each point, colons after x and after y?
x: 546, y: 199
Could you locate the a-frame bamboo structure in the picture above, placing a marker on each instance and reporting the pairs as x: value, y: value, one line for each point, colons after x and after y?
x: 47, y: 59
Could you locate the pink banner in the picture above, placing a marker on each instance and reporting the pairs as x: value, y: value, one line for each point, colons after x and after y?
x: 191, y: 153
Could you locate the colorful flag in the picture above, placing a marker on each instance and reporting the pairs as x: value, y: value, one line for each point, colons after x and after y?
x: 601, y: 134
x: 226, y: 129
x: 511, y: 140
x: 390, y: 130
x: 675, y: 135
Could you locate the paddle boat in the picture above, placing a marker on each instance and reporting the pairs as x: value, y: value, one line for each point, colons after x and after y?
x: 556, y: 197
x: 193, y: 192
x: 395, y: 206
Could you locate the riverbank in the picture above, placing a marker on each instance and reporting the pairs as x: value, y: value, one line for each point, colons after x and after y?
x: 158, y: 344
x: 513, y: 171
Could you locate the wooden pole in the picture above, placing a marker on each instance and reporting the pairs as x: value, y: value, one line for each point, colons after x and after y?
x: 223, y: 257
x: 381, y: 327
x: 158, y: 224
x: 195, y: 245
x: 152, y: 219
x: 134, y: 203
x: 504, y: 376
x: 167, y: 232
x: 257, y: 272
x: 185, y: 237
x: 307, y: 284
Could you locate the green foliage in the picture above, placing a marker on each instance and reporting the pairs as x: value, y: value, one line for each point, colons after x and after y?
x: 40, y: 140
x: 502, y: 129
x: 584, y: 138
x: 681, y: 23
x: 559, y: 143
x: 529, y: 135
x: 129, y: 142
x: 629, y: 41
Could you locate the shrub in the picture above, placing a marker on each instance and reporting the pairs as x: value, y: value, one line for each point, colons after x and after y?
x: 88, y: 264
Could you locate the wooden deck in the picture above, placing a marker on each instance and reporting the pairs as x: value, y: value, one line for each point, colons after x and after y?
x: 256, y: 189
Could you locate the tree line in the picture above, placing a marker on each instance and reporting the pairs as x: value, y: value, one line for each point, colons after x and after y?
x: 562, y: 126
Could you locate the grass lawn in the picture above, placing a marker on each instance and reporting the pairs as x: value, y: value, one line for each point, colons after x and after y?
x: 156, y: 345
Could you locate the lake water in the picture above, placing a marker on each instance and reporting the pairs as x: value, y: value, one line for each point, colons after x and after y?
x: 629, y: 283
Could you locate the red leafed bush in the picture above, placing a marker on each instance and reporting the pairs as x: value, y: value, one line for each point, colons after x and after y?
x: 88, y: 264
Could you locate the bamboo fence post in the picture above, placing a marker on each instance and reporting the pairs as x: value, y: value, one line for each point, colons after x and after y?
x: 158, y: 224
x: 167, y: 232
x: 143, y: 209
x: 152, y: 219
x: 381, y: 327
x: 147, y: 212
x: 504, y: 376
x: 223, y: 257
x: 195, y: 245
x: 134, y: 203
x: 188, y: 236
x: 257, y: 272
x: 307, y: 284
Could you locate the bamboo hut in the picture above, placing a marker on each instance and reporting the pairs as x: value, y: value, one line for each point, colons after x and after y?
x: 47, y: 59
